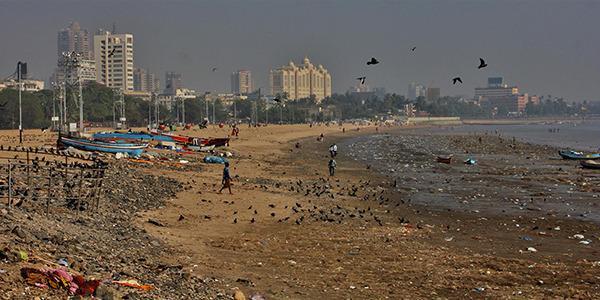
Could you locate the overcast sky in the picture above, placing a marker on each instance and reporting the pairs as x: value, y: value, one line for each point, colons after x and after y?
x: 544, y: 47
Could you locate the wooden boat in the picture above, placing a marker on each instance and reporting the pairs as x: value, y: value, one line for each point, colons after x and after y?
x: 444, y: 159
x: 129, y: 136
x: 217, y: 142
x: 570, y: 154
x: 90, y: 145
x: 590, y: 164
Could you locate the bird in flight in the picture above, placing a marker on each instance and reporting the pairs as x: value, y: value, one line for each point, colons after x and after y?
x: 482, y: 63
x: 112, y: 52
x: 456, y: 79
x: 214, y: 69
x: 373, y: 61
x: 413, y: 48
x: 362, y: 79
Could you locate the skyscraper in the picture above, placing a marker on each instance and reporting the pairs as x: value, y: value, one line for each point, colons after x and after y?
x: 241, y: 82
x: 415, y: 91
x: 74, y: 39
x: 114, y: 59
x: 302, y: 81
x: 144, y: 81
x: 173, y: 82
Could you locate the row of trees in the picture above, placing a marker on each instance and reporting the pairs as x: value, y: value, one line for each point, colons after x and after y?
x: 99, y: 104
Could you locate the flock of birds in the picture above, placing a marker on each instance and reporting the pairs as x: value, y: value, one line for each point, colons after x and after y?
x: 374, y: 61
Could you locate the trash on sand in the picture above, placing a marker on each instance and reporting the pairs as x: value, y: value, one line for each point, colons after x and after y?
x: 470, y: 161
x: 579, y: 236
x: 63, y: 262
x: 134, y: 284
x: 527, y: 238
x: 59, y: 279
x: 531, y: 249
x: 449, y: 239
x: 183, y: 161
x: 23, y: 255
x: 479, y: 289
x: 585, y: 242
x: 214, y: 160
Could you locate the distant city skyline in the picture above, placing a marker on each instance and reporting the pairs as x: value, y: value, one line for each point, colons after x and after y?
x: 546, y: 47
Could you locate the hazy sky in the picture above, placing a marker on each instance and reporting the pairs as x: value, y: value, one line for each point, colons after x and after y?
x: 543, y: 46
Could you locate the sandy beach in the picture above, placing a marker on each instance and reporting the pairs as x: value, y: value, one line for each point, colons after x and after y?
x: 290, y: 231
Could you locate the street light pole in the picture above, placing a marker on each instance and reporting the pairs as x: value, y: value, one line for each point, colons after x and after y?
x: 20, y: 106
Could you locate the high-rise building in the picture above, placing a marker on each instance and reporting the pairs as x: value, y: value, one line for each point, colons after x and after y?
x: 301, y: 81
x: 415, y: 91
x: 173, y: 82
x: 74, y: 39
x: 144, y: 81
x: 502, y: 96
x: 114, y: 60
x: 432, y: 94
x: 241, y: 82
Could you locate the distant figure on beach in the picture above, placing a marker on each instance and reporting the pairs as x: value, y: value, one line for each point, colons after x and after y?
x: 333, y: 150
x: 226, y: 181
x: 332, y: 164
x: 320, y: 138
x: 344, y: 130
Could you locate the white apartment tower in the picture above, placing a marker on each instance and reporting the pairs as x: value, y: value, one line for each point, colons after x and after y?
x: 114, y: 60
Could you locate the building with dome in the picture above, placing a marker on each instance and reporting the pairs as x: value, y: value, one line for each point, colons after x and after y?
x: 302, y: 81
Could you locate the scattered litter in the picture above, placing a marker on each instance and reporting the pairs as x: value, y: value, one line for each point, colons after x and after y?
x: 449, y: 239
x: 527, y: 238
x: 579, y: 236
x: 63, y: 262
x: 134, y: 284
x: 214, y: 160
x: 531, y: 249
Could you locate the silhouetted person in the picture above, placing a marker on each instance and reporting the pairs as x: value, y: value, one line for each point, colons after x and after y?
x: 332, y: 164
x: 226, y: 181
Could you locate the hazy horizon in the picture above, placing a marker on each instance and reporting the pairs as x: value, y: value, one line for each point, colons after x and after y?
x: 547, y: 47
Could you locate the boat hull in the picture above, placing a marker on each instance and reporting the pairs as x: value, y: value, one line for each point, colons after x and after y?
x: 572, y: 155
x: 87, y: 145
x: 590, y: 164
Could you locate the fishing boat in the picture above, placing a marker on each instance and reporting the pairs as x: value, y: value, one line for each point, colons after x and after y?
x: 590, y: 164
x: 217, y: 142
x: 91, y: 145
x: 175, y: 138
x: 570, y: 154
x: 444, y: 159
x: 129, y: 137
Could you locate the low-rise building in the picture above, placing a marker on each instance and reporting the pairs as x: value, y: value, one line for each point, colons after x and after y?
x: 29, y: 85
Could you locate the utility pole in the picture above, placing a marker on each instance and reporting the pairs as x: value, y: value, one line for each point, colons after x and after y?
x: 183, y: 111
x: 213, y: 105
x: 19, y: 75
x: 206, y: 107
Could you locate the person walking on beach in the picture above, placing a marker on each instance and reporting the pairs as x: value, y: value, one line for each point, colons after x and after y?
x: 333, y: 150
x: 226, y: 181
x: 332, y: 165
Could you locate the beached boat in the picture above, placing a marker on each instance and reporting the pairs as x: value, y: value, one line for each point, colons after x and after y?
x: 217, y: 142
x: 444, y: 159
x: 90, y: 145
x: 570, y: 154
x: 130, y: 136
x: 590, y: 164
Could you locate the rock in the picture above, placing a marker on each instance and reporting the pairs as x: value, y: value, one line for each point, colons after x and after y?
x: 156, y: 222
x: 19, y: 232
x: 239, y: 295
x: 106, y: 292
